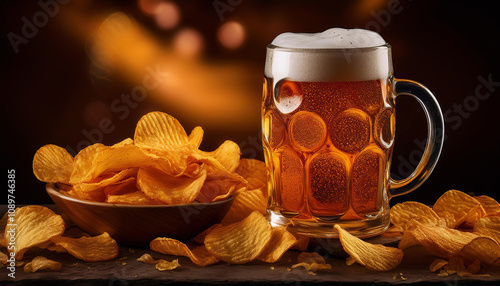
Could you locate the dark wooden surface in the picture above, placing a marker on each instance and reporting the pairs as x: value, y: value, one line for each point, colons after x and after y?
x: 126, y: 270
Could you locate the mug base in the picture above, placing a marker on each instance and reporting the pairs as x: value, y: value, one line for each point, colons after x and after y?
x: 311, y: 228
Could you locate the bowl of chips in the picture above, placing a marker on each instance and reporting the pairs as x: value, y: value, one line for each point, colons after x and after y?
x: 156, y: 184
x: 138, y: 225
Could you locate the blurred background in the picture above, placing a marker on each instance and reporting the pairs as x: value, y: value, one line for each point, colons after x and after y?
x: 77, y: 72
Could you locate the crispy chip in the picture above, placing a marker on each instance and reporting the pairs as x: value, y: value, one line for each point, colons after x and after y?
x: 490, y: 205
x: 252, y: 168
x: 90, y: 249
x: 465, y: 209
x: 313, y: 266
x: 227, y: 154
x: 437, y: 264
x: 198, y: 255
x: 455, y: 265
x: 41, y: 263
x: 35, y: 225
x: 240, y: 242
x: 53, y: 164
x: 441, y: 241
x: 168, y: 189
x: 488, y: 226
x: 373, y: 256
x: 244, y: 204
x: 95, y: 190
x: 474, y: 267
x: 158, y: 130
x: 196, y: 137
x: 483, y: 249
x: 125, y: 186
x: 403, y: 212
x: 281, y: 241
x: 160, y: 264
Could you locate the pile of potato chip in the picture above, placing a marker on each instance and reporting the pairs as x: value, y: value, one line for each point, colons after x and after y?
x: 161, y: 165
x: 462, y: 230
x: 38, y: 227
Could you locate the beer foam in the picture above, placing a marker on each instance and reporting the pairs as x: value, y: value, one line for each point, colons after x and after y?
x: 333, y: 55
x: 334, y: 38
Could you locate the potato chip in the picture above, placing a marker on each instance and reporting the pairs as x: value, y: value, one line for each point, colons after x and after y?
x: 52, y: 164
x: 281, y: 241
x: 488, y: 226
x: 95, y: 189
x: 312, y: 266
x: 134, y: 198
x: 311, y: 257
x: 373, y: 256
x: 200, y: 238
x: 125, y: 186
x: 168, y: 189
x: 244, y: 204
x: 474, y: 267
x: 160, y: 264
x: 198, y: 255
x: 252, y: 168
x: 401, y: 213
x: 41, y: 263
x: 465, y: 209
x: 302, y: 243
x: 195, y: 137
x: 217, y: 189
x: 158, y: 130
x: 3, y: 258
x: 349, y: 261
x: 227, y: 154
x: 240, y: 242
x: 455, y: 265
x: 490, y: 205
x: 441, y: 241
x: 483, y: 249
x: 35, y: 225
x: 90, y: 249
x: 437, y: 264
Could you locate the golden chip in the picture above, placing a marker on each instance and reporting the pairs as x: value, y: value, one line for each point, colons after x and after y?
x: 313, y: 266
x: 227, y: 154
x: 35, y: 225
x: 488, y: 226
x: 281, y: 241
x: 373, y: 256
x: 490, y: 205
x: 441, y: 241
x: 134, y: 198
x: 41, y: 263
x: 437, y: 264
x: 401, y: 213
x: 244, y: 204
x: 158, y: 130
x: 95, y: 190
x: 198, y: 255
x: 455, y: 265
x: 164, y: 265
x: 168, y: 189
x: 466, y: 210
x: 252, y: 168
x: 240, y: 242
x: 123, y: 187
x: 53, y: 164
x: 195, y: 137
x: 483, y: 249
x: 90, y: 249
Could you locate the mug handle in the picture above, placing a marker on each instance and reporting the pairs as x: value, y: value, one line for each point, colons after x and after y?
x: 435, y: 136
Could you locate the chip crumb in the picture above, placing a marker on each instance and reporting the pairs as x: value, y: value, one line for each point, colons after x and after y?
x: 272, y: 267
x: 131, y: 250
x: 289, y: 269
x: 124, y: 263
x: 312, y: 273
x: 395, y: 277
x: 442, y: 273
x: 122, y: 258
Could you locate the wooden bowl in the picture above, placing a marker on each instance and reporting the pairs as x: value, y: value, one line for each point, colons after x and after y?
x: 137, y: 225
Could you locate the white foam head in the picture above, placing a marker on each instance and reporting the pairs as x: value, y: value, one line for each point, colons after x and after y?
x: 333, y: 55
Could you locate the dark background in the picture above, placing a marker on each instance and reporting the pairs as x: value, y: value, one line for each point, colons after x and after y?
x: 55, y: 89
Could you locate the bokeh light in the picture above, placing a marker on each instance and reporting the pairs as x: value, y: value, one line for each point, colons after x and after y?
x: 167, y: 15
x: 149, y: 6
x: 231, y: 35
x: 188, y: 42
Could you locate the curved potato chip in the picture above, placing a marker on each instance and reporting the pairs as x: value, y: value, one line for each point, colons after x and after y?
x: 313, y: 266
x: 252, y: 168
x: 160, y: 264
x: 437, y: 264
x: 281, y: 241
x: 133, y: 198
x: 43, y: 264
x: 465, y: 209
x: 490, y: 205
x: 105, y: 181
x: 401, y: 213
x: 125, y: 186
x: 373, y: 256
x: 244, y: 204
x: 35, y: 225
x: 240, y: 242
x: 441, y: 241
x: 97, y: 248
x: 488, y: 226
x: 198, y: 255
x: 483, y: 249
x: 124, y: 142
x: 52, y: 164
x: 228, y: 154
x: 195, y: 137
x: 158, y: 130
x: 171, y: 190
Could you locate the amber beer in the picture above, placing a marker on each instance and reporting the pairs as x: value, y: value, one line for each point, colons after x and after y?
x: 328, y: 119
x: 329, y: 154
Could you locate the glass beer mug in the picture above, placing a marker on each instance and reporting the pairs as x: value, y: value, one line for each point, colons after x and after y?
x: 328, y: 116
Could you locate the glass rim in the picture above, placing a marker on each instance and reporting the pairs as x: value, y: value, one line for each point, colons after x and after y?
x: 322, y: 50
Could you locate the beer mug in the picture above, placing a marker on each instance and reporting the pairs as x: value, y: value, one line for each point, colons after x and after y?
x: 328, y: 117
